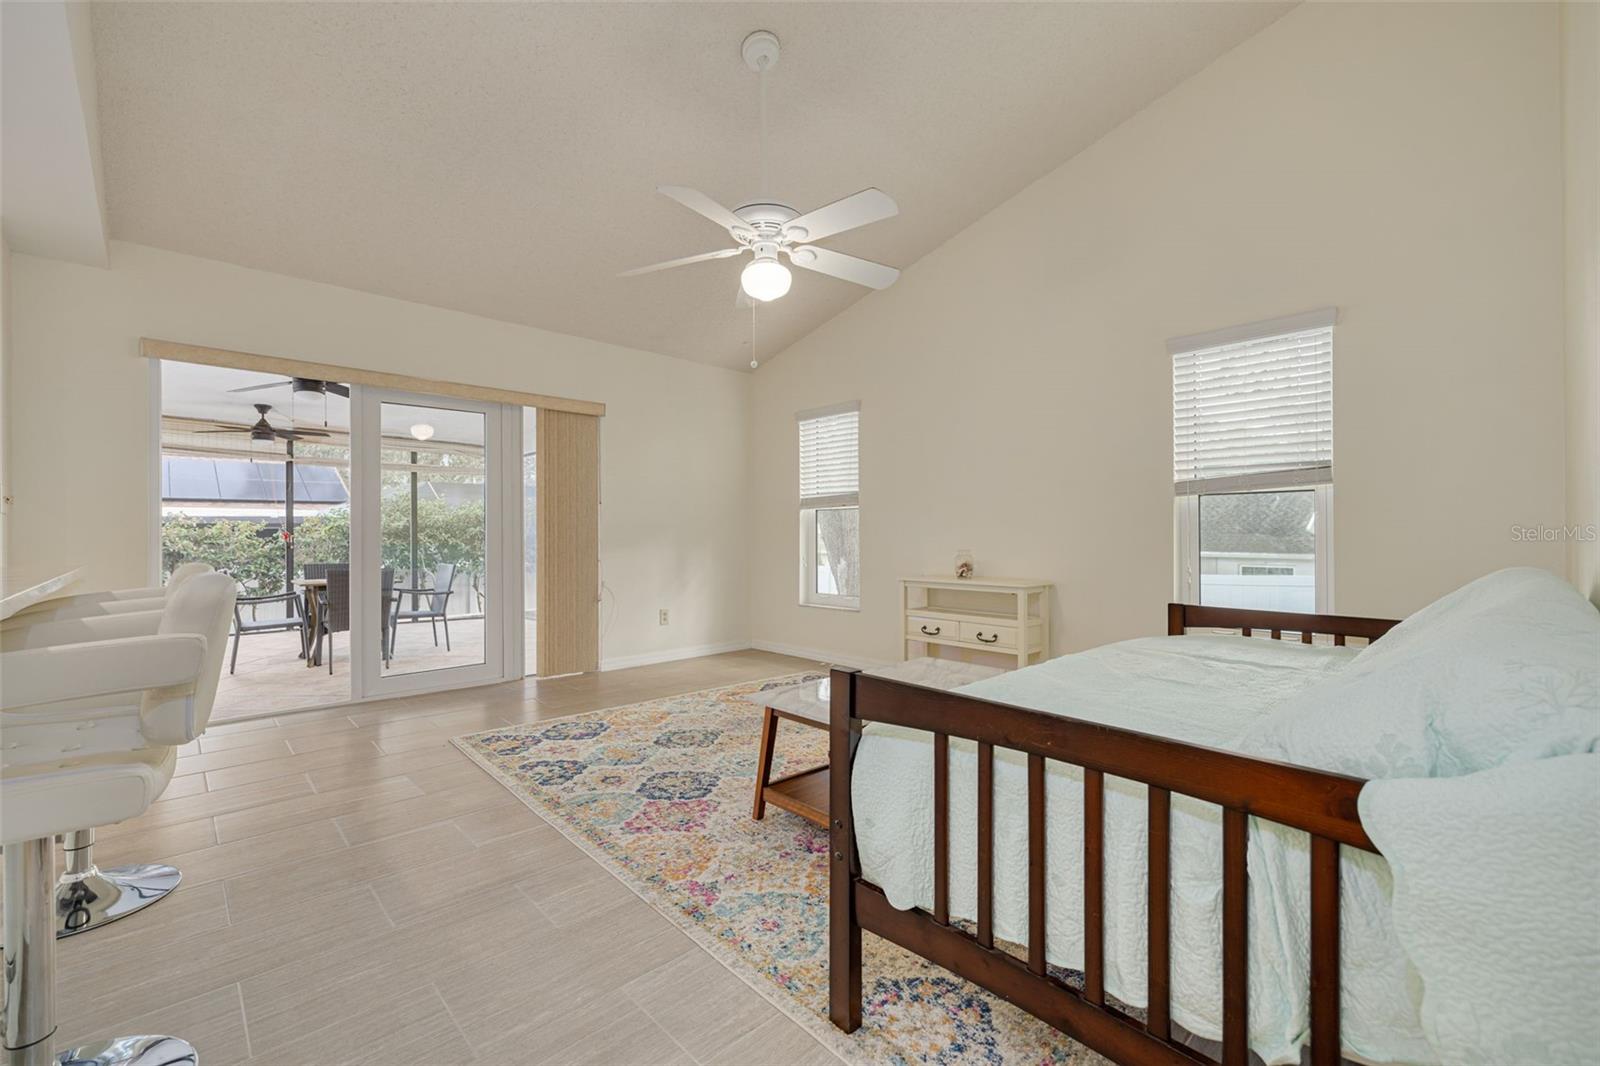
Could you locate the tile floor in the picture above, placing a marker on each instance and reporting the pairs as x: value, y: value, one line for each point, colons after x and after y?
x: 355, y: 890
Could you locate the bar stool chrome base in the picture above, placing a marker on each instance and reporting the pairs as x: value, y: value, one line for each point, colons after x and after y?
x: 132, y: 1051
x: 89, y: 900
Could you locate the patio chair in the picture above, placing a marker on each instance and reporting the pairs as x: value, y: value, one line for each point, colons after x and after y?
x: 294, y: 619
x: 334, y: 611
x: 433, y: 612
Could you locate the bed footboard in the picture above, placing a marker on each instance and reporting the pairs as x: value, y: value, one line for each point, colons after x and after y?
x: 1322, y: 804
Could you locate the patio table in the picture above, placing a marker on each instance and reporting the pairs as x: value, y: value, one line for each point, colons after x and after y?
x: 311, y: 585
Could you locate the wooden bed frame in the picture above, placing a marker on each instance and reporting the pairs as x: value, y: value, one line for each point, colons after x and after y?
x: 1323, y: 804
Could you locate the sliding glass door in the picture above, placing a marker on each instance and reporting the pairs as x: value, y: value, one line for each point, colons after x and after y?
x: 428, y: 607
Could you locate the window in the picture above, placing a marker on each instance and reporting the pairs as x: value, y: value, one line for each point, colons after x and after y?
x: 830, y: 510
x: 1252, y: 464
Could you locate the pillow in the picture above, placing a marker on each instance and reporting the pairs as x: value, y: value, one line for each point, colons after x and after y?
x: 1497, y: 904
x: 1485, y: 596
x: 1506, y: 668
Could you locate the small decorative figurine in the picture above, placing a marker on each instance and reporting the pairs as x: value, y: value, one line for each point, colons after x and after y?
x: 963, y: 562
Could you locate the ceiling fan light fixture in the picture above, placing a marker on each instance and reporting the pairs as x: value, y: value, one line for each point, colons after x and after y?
x: 765, y: 279
x: 422, y: 431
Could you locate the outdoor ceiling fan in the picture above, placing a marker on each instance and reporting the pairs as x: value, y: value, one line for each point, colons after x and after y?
x: 315, y: 386
x: 769, y: 229
x: 302, y: 385
x: 264, y: 430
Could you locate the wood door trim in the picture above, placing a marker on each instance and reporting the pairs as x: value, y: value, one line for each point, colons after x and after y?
x: 151, y: 348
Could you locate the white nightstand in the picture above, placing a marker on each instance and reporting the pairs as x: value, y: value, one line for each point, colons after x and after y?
x: 1006, y: 616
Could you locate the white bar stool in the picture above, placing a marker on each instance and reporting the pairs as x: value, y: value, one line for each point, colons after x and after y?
x: 90, y: 604
x: 91, y: 736
x: 88, y: 897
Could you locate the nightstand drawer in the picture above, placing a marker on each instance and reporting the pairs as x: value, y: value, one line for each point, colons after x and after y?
x: 920, y: 626
x: 991, y: 635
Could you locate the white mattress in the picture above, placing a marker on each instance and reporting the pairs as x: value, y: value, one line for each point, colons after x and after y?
x: 1200, y: 689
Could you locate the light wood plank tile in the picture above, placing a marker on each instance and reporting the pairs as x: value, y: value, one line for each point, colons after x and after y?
x: 428, y: 852
x: 187, y: 911
x: 373, y: 823
x: 119, y: 846
x: 118, y: 978
x: 779, y: 1040
x: 596, y: 1033
x: 571, y: 970
x: 411, y: 1027
x: 213, y: 1022
x: 365, y: 771
x: 221, y: 801
x: 356, y: 742
x: 238, y: 857
x: 284, y: 1002
x: 417, y: 890
x: 219, y: 760
x: 496, y: 822
x: 724, y: 1008
x: 298, y: 809
x: 179, y: 787
x: 232, y: 777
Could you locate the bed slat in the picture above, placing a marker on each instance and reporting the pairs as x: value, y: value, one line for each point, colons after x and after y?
x: 1158, y: 1016
x: 1094, y: 851
x: 1036, y: 884
x: 1235, y: 981
x: 986, y: 844
x: 1324, y: 952
x: 941, y: 828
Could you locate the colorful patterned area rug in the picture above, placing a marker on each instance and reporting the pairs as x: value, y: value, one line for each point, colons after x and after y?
x: 659, y: 794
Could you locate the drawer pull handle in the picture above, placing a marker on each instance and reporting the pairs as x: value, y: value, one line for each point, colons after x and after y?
x: 931, y: 632
x: 989, y: 640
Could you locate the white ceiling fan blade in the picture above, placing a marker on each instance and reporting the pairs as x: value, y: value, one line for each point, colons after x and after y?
x: 719, y: 254
x: 865, y: 207
x: 838, y: 265
x: 702, y: 204
x: 269, y: 385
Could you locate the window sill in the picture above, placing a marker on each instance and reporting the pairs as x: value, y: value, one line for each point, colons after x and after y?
x: 832, y: 606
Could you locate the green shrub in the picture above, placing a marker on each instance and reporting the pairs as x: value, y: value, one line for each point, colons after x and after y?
x: 253, y: 553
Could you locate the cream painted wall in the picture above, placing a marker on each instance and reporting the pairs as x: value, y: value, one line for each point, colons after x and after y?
x: 5, y: 393
x: 1580, y: 66
x: 672, y: 523
x: 1400, y: 162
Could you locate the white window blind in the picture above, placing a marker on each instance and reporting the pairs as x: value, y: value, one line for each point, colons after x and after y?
x: 1252, y: 408
x: 830, y: 457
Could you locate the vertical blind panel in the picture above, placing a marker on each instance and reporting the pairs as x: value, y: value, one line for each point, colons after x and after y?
x: 568, y: 516
x: 1259, y: 410
x: 829, y: 458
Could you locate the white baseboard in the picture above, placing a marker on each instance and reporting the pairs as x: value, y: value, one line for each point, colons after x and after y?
x: 833, y: 658
x: 623, y: 662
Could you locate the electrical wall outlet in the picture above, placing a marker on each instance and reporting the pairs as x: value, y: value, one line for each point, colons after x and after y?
x: 662, y: 620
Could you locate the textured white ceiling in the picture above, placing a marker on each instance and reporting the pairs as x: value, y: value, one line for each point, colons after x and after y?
x: 501, y: 159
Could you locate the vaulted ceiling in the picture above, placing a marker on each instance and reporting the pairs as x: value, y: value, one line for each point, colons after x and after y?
x: 501, y: 159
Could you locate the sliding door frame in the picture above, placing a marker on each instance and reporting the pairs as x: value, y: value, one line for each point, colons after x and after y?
x: 507, y: 648
x: 502, y: 529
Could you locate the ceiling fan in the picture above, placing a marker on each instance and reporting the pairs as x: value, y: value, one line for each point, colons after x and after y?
x: 302, y: 385
x: 264, y: 430
x: 769, y: 229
